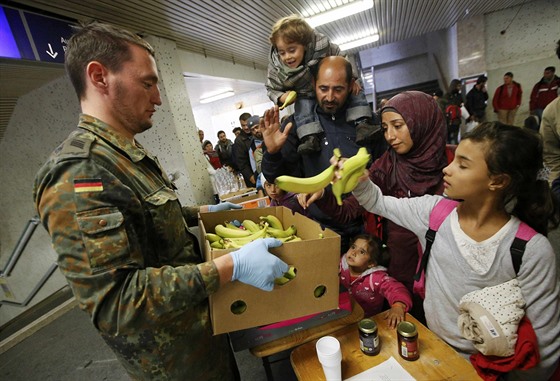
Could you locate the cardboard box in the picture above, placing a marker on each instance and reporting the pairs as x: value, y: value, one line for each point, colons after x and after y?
x: 253, y: 337
x: 316, y: 259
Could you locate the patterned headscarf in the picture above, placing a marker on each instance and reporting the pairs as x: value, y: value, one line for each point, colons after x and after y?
x: 419, y: 171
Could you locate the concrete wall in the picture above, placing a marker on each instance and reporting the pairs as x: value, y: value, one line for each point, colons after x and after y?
x: 525, y: 49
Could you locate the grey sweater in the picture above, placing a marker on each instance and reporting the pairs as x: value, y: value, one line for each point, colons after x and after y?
x: 449, y: 277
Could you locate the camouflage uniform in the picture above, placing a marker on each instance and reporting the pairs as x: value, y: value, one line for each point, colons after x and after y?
x: 122, y: 243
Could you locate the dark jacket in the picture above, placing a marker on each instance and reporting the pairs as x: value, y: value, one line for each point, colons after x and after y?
x: 241, y: 156
x: 476, y: 102
x: 543, y: 93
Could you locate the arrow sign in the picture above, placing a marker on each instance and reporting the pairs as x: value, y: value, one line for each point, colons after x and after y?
x: 51, y: 53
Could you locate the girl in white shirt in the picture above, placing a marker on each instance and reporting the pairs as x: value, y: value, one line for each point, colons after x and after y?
x: 497, y: 175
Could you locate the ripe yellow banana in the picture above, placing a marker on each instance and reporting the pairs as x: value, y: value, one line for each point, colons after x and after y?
x: 238, y: 242
x: 277, y: 233
x: 291, y: 98
x: 350, y: 174
x: 251, y: 226
x: 273, y: 221
x: 225, y: 232
x: 306, y: 184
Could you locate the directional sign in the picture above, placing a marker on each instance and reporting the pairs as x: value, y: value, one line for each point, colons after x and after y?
x: 49, y: 36
x: 37, y: 37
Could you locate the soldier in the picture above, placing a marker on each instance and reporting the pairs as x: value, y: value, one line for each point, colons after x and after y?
x: 119, y: 230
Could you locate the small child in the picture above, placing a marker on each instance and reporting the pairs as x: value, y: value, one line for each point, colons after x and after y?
x: 368, y: 282
x: 278, y: 197
x: 296, y: 49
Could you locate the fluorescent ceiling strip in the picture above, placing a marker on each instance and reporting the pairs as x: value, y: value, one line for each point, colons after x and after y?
x: 340, y: 12
x: 359, y: 42
x: 216, y: 97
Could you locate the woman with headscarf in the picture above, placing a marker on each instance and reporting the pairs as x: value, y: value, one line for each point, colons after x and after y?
x: 415, y: 130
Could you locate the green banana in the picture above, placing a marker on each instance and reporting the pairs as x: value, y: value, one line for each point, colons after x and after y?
x: 225, y: 232
x: 251, y: 226
x: 228, y: 224
x: 273, y: 221
x: 213, y: 237
x: 277, y: 233
x: 217, y: 245
x: 288, y: 276
x: 291, y: 98
x: 350, y: 174
x: 319, y: 291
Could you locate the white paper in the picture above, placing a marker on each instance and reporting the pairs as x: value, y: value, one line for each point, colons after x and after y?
x: 389, y: 370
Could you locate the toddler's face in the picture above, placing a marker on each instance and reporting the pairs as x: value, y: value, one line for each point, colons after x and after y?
x: 358, y: 256
x: 291, y: 53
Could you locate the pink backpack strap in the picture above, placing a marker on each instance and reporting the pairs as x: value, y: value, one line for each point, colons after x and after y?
x: 438, y: 214
x: 517, y: 249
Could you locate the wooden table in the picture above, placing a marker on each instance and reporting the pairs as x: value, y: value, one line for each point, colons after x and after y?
x: 304, y: 336
x: 438, y: 361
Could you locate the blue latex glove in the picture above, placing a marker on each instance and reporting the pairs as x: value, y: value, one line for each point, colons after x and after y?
x: 255, y: 266
x: 223, y: 206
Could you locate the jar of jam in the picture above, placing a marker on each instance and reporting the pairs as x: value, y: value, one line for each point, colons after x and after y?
x: 408, y: 341
x: 369, y: 340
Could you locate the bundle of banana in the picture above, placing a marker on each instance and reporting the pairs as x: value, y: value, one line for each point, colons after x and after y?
x: 350, y: 173
x: 235, y: 234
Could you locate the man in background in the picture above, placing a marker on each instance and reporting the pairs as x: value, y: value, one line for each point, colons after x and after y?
x: 241, y: 151
x: 224, y: 148
x: 476, y: 100
x: 507, y: 99
x: 544, y: 92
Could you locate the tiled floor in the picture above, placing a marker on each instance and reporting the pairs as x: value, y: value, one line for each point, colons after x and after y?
x: 69, y: 349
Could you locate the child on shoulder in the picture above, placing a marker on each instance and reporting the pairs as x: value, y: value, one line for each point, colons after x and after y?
x: 296, y: 49
x: 498, y: 176
x: 362, y: 273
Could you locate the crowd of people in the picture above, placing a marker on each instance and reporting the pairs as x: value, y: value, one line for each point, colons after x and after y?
x: 122, y: 239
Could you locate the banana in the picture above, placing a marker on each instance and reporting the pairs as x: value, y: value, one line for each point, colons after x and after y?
x: 272, y: 221
x: 277, y: 233
x: 230, y: 225
x: 291, y: 98
x: 245, y: 240
x: 319, y: 291
x: 217, y: 245
x: 288, y: 276
x: 251, y: 226
x: 213, y: 237
x: 225, y: 232
x: 307, y: 184
x: 350, y: 174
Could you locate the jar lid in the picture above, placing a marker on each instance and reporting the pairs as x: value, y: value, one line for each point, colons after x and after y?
x: 367, y: 326
x: 406, y: 329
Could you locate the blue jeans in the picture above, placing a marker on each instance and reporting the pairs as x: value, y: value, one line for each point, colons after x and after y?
x: 307, y: 122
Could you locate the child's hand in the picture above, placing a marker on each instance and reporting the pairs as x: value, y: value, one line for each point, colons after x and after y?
x: 395, y: 315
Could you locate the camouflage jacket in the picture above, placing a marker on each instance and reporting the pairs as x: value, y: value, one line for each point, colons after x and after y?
x: 122, y: 243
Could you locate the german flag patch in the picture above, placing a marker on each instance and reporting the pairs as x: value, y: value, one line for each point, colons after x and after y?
x: 88, y: 185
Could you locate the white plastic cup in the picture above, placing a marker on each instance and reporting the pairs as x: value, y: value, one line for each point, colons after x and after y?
x: 330, y: 357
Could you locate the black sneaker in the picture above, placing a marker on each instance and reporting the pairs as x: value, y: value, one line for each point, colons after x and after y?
x: 309, y: 144
x: 367, y: 132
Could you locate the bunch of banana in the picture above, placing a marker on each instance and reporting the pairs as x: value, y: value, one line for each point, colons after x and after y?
x: 229, y: 235
x: 350, y: 173
x: 291, y: 98
x: 308, y: 184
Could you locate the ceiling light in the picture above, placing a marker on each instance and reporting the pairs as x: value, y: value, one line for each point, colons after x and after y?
x: 340, y: 12
x: 347, y: 45
x: 216, y: 97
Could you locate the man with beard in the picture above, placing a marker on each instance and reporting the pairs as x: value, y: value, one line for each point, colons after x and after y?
x: 118, y: 227
x: 333, y: 83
